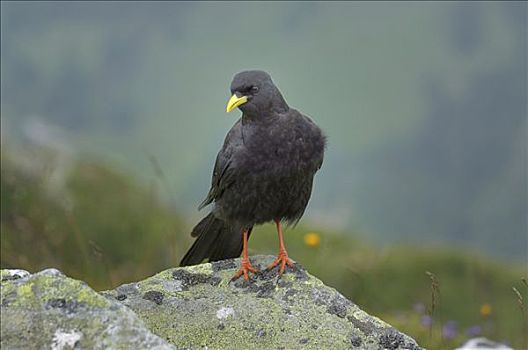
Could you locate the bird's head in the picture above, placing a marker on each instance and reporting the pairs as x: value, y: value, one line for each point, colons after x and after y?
x: 254, y: 93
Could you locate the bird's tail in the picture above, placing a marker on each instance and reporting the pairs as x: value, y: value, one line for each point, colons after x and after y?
x: 216, y: 240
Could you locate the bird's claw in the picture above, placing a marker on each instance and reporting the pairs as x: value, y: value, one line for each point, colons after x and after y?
x: 283, y: 260
x: 245, y: 268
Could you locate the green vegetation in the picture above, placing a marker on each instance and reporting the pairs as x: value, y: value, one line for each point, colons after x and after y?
x: 424, y: 103
x: 100, y: 226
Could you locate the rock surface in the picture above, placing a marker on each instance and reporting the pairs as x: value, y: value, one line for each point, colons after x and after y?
x: 195, y: 307
x: 48, y: 310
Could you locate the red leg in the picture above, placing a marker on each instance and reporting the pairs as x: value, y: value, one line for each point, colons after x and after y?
x: 282, y: 259
x: 246, y: 264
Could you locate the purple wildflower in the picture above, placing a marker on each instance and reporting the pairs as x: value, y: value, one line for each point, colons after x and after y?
x: 449, y: 330
x: 473, y: 331
x: 426, y: 320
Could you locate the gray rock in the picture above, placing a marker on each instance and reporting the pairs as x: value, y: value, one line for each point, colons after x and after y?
x: 482, y: 343
x: 48, y: 310
x: 196, y: 307
x: 199, y: 307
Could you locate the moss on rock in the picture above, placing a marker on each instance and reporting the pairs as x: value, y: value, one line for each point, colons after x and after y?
x: 199, y: 306
x: 49, y: 285
x: 48, y: 310
x: 194, y: 307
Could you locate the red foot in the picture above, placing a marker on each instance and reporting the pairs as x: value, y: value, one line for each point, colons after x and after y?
x: 244, y: 269
x: 283, y: 260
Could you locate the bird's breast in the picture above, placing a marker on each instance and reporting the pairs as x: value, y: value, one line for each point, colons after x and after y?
x: 289, y: 148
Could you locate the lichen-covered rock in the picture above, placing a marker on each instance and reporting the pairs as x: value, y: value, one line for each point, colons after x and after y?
x: 48, y: 310
x: 196, y: 307
x: 199, y: 307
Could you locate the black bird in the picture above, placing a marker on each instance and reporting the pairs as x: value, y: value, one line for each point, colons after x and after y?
x: 263, y: 172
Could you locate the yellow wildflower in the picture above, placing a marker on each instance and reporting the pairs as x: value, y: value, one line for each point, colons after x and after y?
x: 485, y: 309
x: 312, y: 239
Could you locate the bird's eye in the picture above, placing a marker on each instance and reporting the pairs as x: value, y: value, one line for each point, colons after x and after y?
x: 254, y: 89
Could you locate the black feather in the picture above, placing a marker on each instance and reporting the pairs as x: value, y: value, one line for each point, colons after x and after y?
x: 216, y: 240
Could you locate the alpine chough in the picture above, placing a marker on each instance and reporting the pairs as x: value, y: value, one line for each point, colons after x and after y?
x: 263, y: 172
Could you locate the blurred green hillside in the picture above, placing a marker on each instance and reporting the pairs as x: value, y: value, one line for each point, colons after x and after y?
x: 424, y: 103
x: 100, y: 225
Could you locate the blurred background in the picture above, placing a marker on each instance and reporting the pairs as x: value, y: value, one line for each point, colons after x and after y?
x: 112, y: 114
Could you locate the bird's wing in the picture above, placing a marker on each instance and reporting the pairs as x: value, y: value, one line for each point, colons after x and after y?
x: 318, y: 140
x: 221, y: 179
x: 224, y: 169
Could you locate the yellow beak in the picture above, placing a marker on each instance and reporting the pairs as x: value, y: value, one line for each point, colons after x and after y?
x: 235, y: 101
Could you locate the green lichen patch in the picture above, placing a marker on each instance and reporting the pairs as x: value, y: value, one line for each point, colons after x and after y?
x: 46, y: 286
x: 193, y: 307
x: 49, y: 310
x: 294, y: 311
